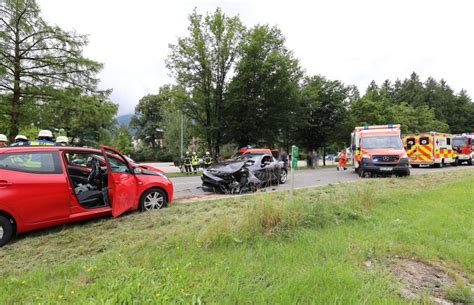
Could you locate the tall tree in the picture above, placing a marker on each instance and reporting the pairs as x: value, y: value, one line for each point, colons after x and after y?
x: 264, y: 90
x: 156, y: 117
x: 148, y: 118
x: 39, y: 60
x: 202, y: 62
x: 325, y: 105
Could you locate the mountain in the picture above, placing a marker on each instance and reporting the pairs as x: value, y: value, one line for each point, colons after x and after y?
x: 124, y: 119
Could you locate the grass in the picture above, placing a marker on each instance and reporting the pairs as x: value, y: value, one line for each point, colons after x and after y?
x: 179, y: 174
x: 253, y: 249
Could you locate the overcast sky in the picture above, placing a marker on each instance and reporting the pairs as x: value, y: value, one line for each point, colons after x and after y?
x: 353, y: 41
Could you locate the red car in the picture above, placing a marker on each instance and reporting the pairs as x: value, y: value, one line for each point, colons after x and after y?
x: 247, y: 150
x: 47, y: 186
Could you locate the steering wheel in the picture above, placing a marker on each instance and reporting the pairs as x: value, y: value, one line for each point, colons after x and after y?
x: 95, y: 172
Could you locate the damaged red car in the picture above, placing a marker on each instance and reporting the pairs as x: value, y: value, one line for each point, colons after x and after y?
x: 48, y: 186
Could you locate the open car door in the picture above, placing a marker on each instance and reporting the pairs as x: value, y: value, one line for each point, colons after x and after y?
x: 122, y: 182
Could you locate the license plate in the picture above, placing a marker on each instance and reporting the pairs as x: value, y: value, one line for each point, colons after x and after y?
x: 386, y: 169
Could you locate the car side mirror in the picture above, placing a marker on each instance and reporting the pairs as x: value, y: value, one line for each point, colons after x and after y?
x: 137, y: 170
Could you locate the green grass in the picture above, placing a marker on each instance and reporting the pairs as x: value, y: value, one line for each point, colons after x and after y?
x: 179, y: 174
x: 256, y: 249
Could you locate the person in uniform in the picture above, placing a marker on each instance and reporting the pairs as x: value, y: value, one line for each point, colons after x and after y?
x: 207, y: 160
x: 342, y: 160
x: 62, y: 141
x: 45, y: 137
x: 195, y: 162
x: 20, y: 140
x: 187, y: 163
x: 3, y: 140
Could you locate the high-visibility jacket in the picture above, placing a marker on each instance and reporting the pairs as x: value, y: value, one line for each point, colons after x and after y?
x: 42, y: 143
x: 207, y: 160
x: 187, y: 160
x: 195, y: 160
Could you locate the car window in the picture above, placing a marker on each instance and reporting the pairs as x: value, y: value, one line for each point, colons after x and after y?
x: 267, y: 159
x: 424, y: 141
x: 32, y: 162
x: 117, y: 165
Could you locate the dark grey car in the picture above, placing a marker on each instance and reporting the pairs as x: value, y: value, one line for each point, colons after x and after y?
x: 247, y: 172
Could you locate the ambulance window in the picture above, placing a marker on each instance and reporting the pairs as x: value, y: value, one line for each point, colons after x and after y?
x: 424, y: 141
x: 448, y: 141
x: 410, y: 142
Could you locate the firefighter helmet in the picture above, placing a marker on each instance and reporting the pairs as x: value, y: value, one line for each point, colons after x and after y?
x: 62, y: 139
x: 45, y: 134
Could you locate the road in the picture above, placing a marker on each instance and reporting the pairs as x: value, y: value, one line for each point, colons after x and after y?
x: 190, y: 187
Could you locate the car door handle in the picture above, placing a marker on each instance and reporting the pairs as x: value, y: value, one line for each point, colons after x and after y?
x: 4, y: 183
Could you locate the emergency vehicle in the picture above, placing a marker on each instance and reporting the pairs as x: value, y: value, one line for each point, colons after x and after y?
x: 378, y: 150
x: 464, y: 147
x: 431, y: 148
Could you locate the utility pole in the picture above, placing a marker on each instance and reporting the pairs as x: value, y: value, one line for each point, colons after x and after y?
x: 182, y: 133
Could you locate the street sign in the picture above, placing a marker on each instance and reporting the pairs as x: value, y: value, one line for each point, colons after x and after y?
x: 294, y: 165
x: 294, y: 156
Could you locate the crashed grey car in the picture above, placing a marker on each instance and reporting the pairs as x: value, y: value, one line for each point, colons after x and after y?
x: 247, y: 173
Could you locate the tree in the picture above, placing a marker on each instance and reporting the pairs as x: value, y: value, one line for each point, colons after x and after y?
x: 148, y: 118
x: 379, y: 106
x: 201, y: 63
x: 264, y: 90
x: 123, y: 140
x: 325, y: 104
x: 158, y: 116
x: 39, y: 62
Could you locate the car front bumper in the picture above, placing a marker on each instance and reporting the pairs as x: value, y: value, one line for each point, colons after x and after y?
x: 386, y: 169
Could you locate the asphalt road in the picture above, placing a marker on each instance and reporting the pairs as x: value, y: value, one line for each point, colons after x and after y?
x: 190, y: 187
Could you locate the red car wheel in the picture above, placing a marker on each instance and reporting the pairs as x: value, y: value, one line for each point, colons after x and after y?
x: 6, y: 230
x: 153, y: 199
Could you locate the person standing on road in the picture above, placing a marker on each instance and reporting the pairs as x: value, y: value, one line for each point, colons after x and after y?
x: 342, y: 159
x: 195, y: 162
x: 187, y: 163
x: 207, y: 160
x: 3, y: 140
x: 284, y: 158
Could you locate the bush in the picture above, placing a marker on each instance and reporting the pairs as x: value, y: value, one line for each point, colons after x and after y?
x: 148, y: 154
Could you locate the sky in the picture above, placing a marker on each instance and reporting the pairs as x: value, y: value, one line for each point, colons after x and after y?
x: 352, y: 41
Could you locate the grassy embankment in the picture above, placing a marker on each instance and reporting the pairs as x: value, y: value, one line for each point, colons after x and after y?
x: 254, y: 249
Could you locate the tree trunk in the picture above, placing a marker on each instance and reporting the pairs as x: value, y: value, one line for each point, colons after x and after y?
x: 15, y: 111
x: 324, y: 156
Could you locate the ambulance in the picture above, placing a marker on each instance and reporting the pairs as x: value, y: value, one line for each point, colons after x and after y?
x: 464, y: 146
x: 378, y: 151
x: 431, y: 148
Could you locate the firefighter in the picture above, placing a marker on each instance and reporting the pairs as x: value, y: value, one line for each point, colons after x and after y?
x: 20, y: 140
x: 3, y: 140
x: 62, y: 141
x: 195, y: 162
x: 342, y: 160
x: 45, y: 137
x: 207, y: 160
x: 187, y: 163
